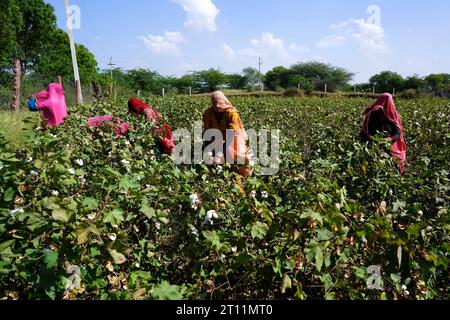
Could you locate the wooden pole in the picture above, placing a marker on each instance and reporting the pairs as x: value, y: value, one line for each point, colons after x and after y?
x: 16, y: 84
x: 59, y: 79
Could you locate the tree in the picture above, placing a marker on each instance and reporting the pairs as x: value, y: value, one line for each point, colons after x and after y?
x: 145, y: 80
x: 27, y: 26
x: 209, y: 80
x: 57, y: 60
x: 308, y: 75
x: 318, y: 74
x: 252, y: 75
x: 438, y: 82
x: 414, y: 82
x: 10, y: 24
x: 295, y: 80
x: 237, y: 81
x: 276, y: 78
x: 387, y: 81
x: 185, y: 82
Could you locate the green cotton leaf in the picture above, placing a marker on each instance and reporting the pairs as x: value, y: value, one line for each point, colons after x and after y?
x: 213, y: 240
x: 398, y: 205
x: 51, y: 259
x: 113, y: 173
x: 286, y: 283
x: 60, y: 215
x: 360, y: 273
x: 49, y: 203
x: 114, y: 217
x: 90, y: 203
x: 38, y: 164
x: 128, y: 183
x: 118, y: 258
x: 399, y: 256
x: 166, y: 291
x: 147, y: 211
x: 5, y: 247
x: 164, y: 220
x: 319, y: 258
x: 324, y: 235
x: 83, y: 236
x: 9, y: 195
x: 259, y: 230
x: 310, y: 214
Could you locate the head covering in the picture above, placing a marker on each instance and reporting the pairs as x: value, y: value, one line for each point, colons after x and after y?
x: 136, y: 106
x: 220, y: 103
x: 117, y: 125
x: 52, y: 103
x: 385, y: 103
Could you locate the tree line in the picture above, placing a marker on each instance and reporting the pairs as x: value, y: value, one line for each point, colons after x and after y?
x: 32, y: 47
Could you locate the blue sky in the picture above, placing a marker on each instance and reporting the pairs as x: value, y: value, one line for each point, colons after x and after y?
x: 178, y: 36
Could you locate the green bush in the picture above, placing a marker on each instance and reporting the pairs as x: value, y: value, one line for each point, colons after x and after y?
x: 409, y: 94
x: 293, y: 92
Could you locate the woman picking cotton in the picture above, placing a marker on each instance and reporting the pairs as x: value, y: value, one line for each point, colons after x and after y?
x: 165, y: 141
x: 230, y: 146
x: 51, y: 103
x: 383, y: 118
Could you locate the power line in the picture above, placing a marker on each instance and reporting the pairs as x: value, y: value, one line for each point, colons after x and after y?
x: 94, y: 31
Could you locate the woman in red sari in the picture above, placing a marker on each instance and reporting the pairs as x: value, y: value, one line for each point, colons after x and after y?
x: 382, y: 118
x: 165, y: 140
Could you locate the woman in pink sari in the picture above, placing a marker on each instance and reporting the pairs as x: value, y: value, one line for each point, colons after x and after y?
x: 52, y: 104
x: 382, y: 117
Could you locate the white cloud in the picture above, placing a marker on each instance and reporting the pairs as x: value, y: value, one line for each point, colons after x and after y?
x: 268, y: 42
x: 295, y: 48
x: 268, y: 45
x: 272, y: 49
x: 330, y: 41
x: 369, y: 36
x: 165, y: 44
x: 229, y: 52
x: 201, y: 14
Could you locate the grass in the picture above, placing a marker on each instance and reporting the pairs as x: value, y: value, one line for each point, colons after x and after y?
x: 14, y: 125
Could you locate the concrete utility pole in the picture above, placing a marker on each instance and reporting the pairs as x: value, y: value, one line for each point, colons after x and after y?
x: 74, y: 54
x: 260, y: 77
x: 111, y: 65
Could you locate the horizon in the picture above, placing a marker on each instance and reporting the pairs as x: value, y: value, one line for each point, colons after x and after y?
x: 363, y: 37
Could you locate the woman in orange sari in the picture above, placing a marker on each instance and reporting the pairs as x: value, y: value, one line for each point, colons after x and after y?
x: 223, y: 116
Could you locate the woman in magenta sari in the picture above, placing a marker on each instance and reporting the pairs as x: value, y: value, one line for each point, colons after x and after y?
x: 52, y: 104
x: 383, y: 118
